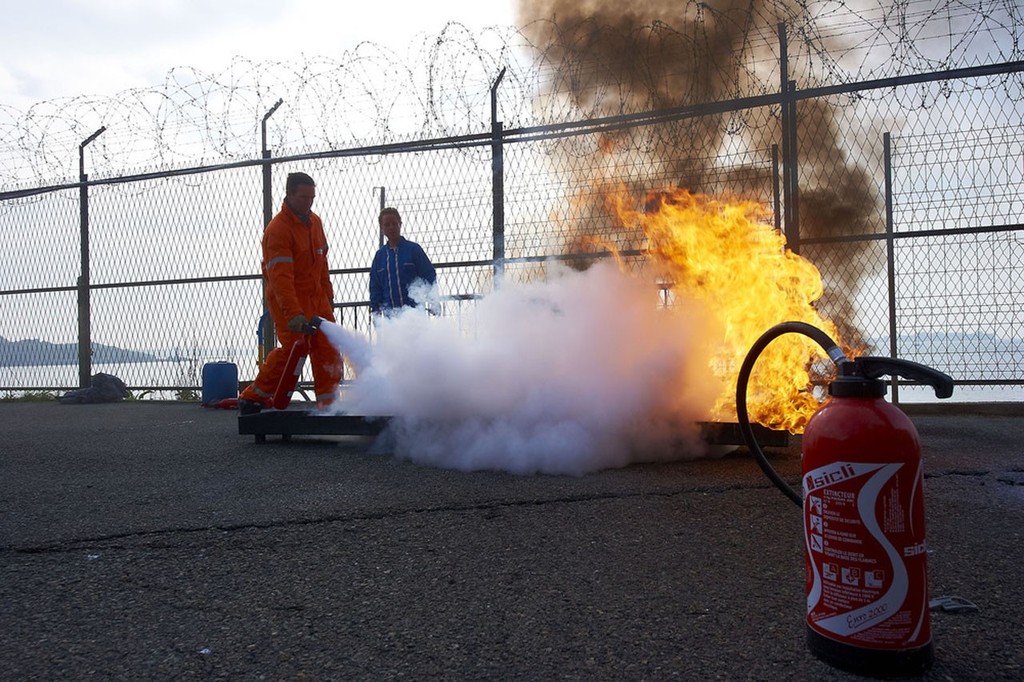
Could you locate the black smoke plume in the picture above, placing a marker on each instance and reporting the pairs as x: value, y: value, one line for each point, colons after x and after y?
x: 608, y: 58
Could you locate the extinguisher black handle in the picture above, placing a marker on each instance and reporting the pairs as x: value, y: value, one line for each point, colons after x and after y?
x: 865, y: 369
x: 873, y: 367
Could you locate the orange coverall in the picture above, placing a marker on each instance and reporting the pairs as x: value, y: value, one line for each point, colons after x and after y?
x: 298, y: 283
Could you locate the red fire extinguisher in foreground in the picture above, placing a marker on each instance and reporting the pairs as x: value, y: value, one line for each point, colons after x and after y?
x: 294, y: 366
x: 863, y: 512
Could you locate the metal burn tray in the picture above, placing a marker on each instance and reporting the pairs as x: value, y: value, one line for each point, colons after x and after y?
x: 288, y: 423
x: 728, y: 433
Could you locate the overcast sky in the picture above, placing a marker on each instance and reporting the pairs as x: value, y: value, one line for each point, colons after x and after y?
x: 63, y: 48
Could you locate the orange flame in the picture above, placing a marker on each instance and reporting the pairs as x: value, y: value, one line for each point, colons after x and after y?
x: 725, y: 253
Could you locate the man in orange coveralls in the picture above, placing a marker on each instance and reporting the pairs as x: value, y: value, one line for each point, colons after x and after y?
x: 298, y: 288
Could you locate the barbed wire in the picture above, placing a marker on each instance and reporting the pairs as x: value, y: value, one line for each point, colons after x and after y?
x: 560, y: 66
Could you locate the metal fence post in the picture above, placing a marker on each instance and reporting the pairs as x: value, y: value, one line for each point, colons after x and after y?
x: 84, y: 305
x: 890, y: 260
x: 790, y: 189
x: 269, y: 338
x: 776, y: 191
x: 498, y: 185
x: 383, y: 205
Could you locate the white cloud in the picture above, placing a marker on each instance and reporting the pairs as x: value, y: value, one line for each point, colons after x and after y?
x: 572, y: 374
x: 65, y: 48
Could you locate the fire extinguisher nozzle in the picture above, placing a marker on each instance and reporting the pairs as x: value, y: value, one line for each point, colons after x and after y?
x: 312, y: 326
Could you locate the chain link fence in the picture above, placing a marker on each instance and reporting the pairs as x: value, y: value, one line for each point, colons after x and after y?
x: 912, y: 213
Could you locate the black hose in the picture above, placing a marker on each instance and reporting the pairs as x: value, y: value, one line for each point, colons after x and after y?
x: 834, y: 353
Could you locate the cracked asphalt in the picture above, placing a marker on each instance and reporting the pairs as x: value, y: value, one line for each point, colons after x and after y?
x: 148, y: 540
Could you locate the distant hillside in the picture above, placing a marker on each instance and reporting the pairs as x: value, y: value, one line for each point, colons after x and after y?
x: 945, y: 343
x: 33, y: 352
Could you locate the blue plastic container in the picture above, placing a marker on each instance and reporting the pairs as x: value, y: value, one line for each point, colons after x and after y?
x: 220, y: 381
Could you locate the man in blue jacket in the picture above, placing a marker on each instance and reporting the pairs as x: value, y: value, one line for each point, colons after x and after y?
x: 396, y: 265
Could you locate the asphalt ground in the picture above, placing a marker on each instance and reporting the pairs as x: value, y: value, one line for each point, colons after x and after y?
x: 146, y: 540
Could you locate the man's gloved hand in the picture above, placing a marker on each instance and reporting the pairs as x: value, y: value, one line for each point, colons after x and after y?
x: 298, y: 324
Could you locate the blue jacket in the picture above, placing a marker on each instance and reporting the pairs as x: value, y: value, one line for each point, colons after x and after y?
x: 392, y: 272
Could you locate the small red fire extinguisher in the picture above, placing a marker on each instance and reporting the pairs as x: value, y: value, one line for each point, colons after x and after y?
x: 294, y: 366
x: 863, y: 513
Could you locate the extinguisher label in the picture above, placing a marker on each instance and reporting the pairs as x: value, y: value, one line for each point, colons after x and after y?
x: 866, y: 572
